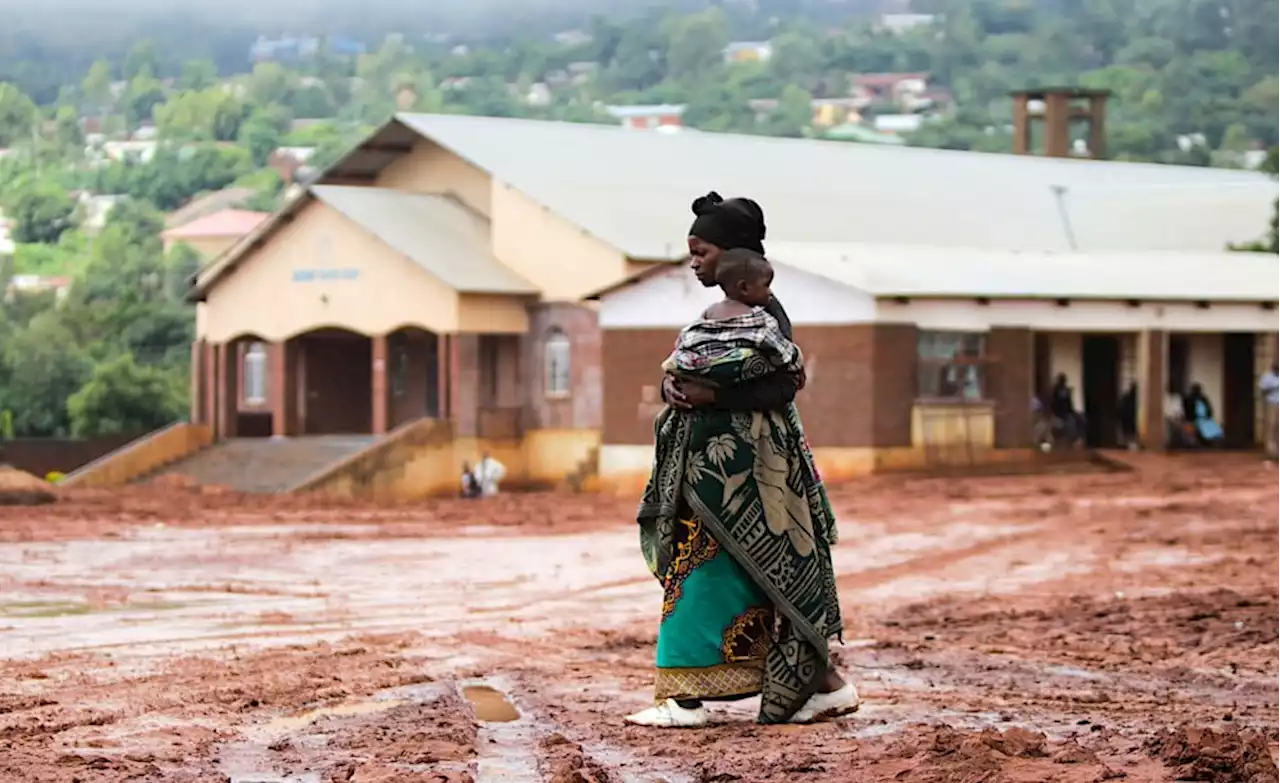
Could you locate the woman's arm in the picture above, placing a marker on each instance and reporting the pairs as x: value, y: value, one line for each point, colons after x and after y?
x: 766, y: 393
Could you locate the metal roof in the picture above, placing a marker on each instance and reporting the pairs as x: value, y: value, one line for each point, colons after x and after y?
x: 632, y: 190
x: 436, y: 232
x: 921, y: 271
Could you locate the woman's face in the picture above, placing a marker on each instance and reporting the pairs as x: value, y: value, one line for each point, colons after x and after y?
x: 702, y: 259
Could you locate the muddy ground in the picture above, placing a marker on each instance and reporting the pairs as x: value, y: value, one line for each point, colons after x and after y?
x: 1108, y: 626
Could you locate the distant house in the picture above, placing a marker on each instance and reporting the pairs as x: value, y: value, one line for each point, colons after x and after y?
x: 664, y: 115
x: 32, y: 284
x: 288, y: 162
x: 139, y: 151
x: 94, y: 210
x: 538, y: 94
x: 827, y: 112
x: 748, y: 52
x: 572, y: 37
x: 212, y: 234
x: 901, y: 23
x: 898, y: 123
x: 207, y: 204
x: 897, y: 88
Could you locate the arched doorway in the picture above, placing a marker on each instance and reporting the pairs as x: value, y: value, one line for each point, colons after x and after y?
x: 333, y: 373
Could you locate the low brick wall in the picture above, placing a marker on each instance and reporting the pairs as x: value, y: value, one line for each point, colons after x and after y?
x: 415, y: 460
x: 142, y: 456
x: 41, y: 456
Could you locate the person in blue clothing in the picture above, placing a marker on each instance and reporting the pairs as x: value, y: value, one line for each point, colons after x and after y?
x: 1198, y: 411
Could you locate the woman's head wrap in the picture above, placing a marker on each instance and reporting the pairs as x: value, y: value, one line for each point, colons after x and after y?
x: 738, y: 222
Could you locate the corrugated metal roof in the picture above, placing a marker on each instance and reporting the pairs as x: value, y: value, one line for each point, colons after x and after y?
x: 435, y: 232
x: 224, y: 223
x: 921, y: 271
x: 632, y: 190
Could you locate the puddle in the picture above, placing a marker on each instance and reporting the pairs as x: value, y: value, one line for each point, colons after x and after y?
x: 506, y: 745
x: 302, y: 720
x: 43, y: 608
x: 490, y: 704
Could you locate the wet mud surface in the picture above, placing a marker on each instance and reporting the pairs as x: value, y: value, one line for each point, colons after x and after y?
x: 1090, y: 627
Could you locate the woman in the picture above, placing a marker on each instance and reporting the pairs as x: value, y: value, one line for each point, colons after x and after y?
x: 735, y: 524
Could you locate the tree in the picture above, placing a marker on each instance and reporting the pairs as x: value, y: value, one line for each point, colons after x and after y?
x: 18, y: 114
x: 198, y: 75
x: 260, y: 134
x: 97, y: 85
x: 696, y: 43
x: 144, y: 93
x: 141, y: 61
x: 793, y: 114
x: 42, y: 367
x: 41, y: 212
x: 123, y: 397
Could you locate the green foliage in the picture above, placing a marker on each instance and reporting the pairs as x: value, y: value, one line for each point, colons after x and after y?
x: 41, y: 211
x: 173, y: 175
x: 123, y: 397
x: 18, y: 114
x: 40, y: 367
x: 67, y: 256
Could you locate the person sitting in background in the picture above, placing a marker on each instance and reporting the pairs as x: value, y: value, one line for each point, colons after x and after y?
x: 470, y: 487
x: 1197, y: 410
x: 488, y: 473
x: 1269, y: 386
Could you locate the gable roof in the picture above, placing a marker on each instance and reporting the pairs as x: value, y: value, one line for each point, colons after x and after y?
x: 223, y: 223
x: 435, y: 232
x: 632, y: 190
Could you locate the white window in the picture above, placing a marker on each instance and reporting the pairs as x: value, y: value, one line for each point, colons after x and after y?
x: 255, y: 374
x: 951, y: 365
x: 558, y: 355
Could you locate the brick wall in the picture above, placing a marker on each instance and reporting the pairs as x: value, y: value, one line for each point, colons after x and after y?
x: 582, y: 409
x: 1010, y: 385
x: 895, y: 383
x: 860, y: 393
x: 632, y: 375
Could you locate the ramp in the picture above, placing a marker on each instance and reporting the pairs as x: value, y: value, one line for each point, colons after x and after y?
x: 265, y: 465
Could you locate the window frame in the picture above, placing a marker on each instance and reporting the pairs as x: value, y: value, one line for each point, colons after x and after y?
x: 558, y: 345
x: 931, y: 366
x: 255, y: 362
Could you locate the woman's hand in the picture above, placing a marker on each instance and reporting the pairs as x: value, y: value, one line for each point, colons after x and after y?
x: 697, y: 395
x: 673, y: 393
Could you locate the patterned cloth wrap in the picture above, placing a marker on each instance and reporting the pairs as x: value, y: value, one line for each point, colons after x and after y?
x: 750, y: 480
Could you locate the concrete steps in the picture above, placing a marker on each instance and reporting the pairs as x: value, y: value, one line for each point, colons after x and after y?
x: 264, y: 465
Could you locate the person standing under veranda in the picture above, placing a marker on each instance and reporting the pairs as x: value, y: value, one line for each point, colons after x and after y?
x: 749, y: 596
x: 1269, y: 386
x: 489, y: 472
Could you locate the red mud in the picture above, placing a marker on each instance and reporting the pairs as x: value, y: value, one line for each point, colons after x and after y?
x: 1066, y: 628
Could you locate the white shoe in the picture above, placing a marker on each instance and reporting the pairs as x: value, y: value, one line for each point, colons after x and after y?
x: 669, y: 715
x: 825, y: 706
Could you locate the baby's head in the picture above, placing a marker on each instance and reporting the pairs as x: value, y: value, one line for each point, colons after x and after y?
x: 745, y: 276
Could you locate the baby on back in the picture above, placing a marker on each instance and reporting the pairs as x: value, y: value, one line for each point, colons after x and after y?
x: 744, y: 276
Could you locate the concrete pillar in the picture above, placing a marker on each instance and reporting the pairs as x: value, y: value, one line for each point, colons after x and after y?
x: 1021, y: 125
x: 444, y: 349
x: 198, y: 384
x: 282, y: 388
x: 1057, y: 125
x: 1153, y: 349
x: 380, y: 387
x: 209, y: 357
x: 228, y: 390
x: 1098, y: 127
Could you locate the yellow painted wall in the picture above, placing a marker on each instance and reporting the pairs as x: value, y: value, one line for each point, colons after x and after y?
x: 424, y: 458
x: 142, y: 456
x: 261, y: 297
x: 560, y: 258
x: 430, y: 168
x: 492, y: 314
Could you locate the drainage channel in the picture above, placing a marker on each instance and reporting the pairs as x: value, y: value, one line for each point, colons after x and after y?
x: 507, y: 742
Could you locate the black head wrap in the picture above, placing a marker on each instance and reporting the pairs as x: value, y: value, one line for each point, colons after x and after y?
x: 738, y: 222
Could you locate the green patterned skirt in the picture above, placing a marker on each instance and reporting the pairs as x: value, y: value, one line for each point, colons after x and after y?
x: 716, y: 623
